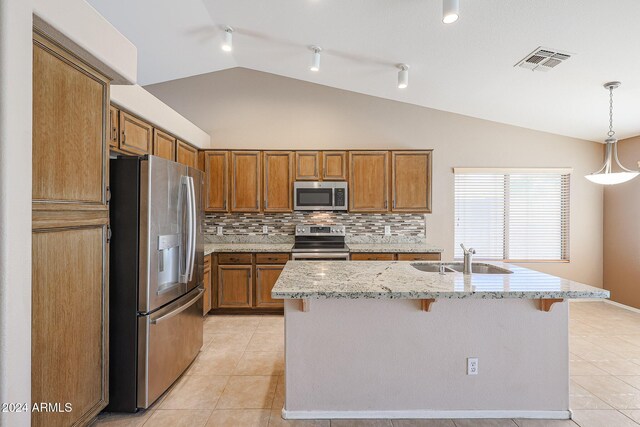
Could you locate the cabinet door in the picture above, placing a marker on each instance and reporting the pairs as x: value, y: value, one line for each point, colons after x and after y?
x: 135, y: 134
x: 245, y: 181
x: 186, y: 154
x: 216, y: 169
x: 411, y: 181
x: 235, y: 286
x: 266, y: 277
x: 206, y: 297
x: 334, y: 165
x: 278, y: 192
x: 164, y: 145
x: 68, y: 326
x: 308, y: 166
x: 114, y: 129
x: 369, y: 181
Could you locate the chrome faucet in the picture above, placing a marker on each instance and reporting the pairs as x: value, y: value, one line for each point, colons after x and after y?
x: 468, y: 255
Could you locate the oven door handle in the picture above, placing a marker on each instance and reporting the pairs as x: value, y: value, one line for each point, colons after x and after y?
x: 320, y: 255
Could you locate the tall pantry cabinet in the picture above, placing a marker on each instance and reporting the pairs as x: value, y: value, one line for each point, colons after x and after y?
x: 70, y: 236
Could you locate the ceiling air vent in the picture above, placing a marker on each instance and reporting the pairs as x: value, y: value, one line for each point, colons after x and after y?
x: 543, y: 59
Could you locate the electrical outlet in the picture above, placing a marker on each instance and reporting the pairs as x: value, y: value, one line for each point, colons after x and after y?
x: 265, y: 229
x: 219, y: 230
x: 387, y: 230
x: 472, y: 366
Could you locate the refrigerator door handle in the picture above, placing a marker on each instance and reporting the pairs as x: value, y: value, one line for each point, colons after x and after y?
x: 190, y: 234
x: 180, y: 309
x: 194, y: 227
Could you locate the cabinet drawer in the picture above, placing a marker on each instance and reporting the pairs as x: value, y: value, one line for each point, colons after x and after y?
x: 419, y: 257
x: 372, y: 257
x: 234, y: 259
x: 272, y: 258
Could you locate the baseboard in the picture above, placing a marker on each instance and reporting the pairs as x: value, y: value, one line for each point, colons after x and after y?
x: 323, y: 415
x: 626, y: 307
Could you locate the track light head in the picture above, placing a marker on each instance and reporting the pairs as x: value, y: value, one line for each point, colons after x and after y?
x: 403, y: 76
x: 315, y: 59
x: 227, y: 44
x: 450, y: 11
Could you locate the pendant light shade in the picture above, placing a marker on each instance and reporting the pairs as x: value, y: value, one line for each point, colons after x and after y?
x: 227, y: 44
x: 450, y: 11
x: 607, y: 175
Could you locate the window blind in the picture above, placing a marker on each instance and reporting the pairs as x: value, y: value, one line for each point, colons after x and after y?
x: 513, y: 216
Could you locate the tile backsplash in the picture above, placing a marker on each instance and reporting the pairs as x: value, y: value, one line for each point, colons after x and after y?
x: 403, y: 226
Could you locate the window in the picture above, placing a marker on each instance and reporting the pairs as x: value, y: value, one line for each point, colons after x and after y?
x: 513, y: 214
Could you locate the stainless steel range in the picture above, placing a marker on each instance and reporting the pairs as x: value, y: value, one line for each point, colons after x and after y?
x: 320, y: 243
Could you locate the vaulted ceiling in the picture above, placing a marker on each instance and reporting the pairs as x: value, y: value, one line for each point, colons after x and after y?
x: 466, y: 67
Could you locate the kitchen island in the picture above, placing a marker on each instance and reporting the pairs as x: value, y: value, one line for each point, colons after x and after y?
x: 386, y: 340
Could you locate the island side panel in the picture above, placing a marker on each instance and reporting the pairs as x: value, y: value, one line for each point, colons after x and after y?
x: 361, y: 357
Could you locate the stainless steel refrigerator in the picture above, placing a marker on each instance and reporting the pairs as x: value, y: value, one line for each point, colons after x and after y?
x: 156, y: 272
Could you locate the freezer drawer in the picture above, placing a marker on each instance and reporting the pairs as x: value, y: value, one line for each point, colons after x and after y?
x: 168, y: 341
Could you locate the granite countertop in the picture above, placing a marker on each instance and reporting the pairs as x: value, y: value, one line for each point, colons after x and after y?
x: 399, y: 280
x: 393, y: 248
x: 210, y: 248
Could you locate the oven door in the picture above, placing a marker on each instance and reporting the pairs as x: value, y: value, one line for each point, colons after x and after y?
x: 313, y: 199
x: 320, y: 256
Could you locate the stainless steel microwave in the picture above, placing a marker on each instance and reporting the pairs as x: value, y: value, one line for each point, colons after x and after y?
x: 320, y: 196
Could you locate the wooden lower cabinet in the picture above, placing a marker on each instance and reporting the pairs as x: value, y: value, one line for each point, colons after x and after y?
x: 266, y: 277
x: 235, y: 286
x: 428, y: 256
x: 206, y: 297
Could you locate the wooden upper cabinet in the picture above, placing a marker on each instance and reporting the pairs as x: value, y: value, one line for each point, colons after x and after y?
x: 308, y: 166
x: 411, y: 181
x: 245, y: 181
x: 136, y: 136
x: 216, y: 169
x: 114, y: 129
x: 369, y: 181
x: 164, y: 145
x: 277, y: 181
x: 334, y: 165
x: 186, y: 154
x: 70, y: 102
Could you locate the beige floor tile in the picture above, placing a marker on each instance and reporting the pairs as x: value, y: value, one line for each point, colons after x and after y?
x: 601, y: 384
x: 239, y: 418
x: 423, y: 423
x: 278, y: 400
x: 545, y: 423
x: 178, y: 418
x: 277, y: 421
x: 271, y: 325
x: 113, y: 419
x: 587, y: 401
x: 195, y: 392
x: 633, y: 380
x: 229, y: 342
x: 622, y: 401
x: 633, y: 414
x: 215, y: 362
x: 485, y: 423
x: 582, y: 367
x: 260, y: 363
x: 595, y: 418
x: 361, y: 423
x: 266, y: 342
x: 619, y: 367
x: 248, y: 392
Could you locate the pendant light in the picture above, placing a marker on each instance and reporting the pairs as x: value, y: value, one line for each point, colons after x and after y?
x: 606, y: 174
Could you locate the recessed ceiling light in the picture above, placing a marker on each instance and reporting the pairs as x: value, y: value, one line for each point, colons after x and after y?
x: 315, y: 59
x: 450, y: 11
x: 227, y: 44
x: 403, y: 76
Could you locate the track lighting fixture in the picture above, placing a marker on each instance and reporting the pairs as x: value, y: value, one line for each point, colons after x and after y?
x: 227, y: 44
x: 315, y: 60
x: 450, y: 11
x: 403, y: 76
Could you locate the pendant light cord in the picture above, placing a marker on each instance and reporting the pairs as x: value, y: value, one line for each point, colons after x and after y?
x: 611, y: 131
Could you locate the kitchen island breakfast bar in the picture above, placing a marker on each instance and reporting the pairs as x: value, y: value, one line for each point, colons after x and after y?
x: 388, y: 340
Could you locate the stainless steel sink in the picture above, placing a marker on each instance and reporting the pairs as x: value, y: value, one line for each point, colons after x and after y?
x: 458, y: 267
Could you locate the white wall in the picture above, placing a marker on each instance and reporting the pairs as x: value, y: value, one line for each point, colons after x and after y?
x: 241, y: 108
x: 15, y: 207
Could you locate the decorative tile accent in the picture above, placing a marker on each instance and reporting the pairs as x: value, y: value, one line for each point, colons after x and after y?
x: 282, y: 224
